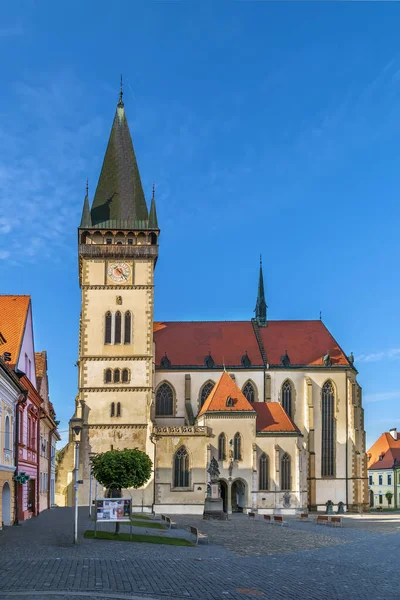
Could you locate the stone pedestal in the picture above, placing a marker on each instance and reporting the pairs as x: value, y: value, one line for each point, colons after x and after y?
x: 213, y: 505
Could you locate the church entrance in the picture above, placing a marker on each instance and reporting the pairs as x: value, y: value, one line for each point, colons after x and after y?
x: 238, y: 496
x: 371, y: 498
x: 224, y: 494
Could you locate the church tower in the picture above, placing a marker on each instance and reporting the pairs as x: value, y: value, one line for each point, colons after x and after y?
x: 118, y: 249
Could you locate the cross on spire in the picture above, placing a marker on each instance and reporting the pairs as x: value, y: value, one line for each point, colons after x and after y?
x: 121, y: 93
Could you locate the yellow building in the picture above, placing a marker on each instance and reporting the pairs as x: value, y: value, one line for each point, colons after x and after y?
x: 277, y: 403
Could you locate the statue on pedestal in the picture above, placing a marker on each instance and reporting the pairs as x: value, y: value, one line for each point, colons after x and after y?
x: 213, y: 505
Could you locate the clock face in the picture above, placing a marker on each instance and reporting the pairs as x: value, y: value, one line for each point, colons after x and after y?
x: 119, y: 272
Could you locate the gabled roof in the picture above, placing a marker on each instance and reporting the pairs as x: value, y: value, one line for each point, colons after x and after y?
x: 119, y: 196
x: 391, y: 456
x: 13, y: 315
x: 271, y: 417
x: 382, y: 445
x: 188, y: 343
x: 217, y: 400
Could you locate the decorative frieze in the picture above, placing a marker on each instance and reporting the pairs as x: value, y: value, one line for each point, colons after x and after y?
x: 182, y: 430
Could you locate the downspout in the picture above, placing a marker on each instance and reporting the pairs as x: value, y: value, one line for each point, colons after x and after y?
x: 154, y: 471
x: 49, y: 468
x: 38, y: 464
x: 347, y: 443
x: 20, y: 401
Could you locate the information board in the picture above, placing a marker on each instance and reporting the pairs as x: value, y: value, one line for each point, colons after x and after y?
x: 113, y: 509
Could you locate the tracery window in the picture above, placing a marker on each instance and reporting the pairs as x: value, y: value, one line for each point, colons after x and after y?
x: 107, y: 335
x: 249, y: 391
x: 164, y: 400
x: 286, y: 397
x: 125, y: 376
x: 128, y: 325
x: 206, y: 391
x: 117, y: 334
x: 263, y: 472
x: 117, y: 375
x: 181, y: 468
x: 286, y: 472
x: 328, y: 430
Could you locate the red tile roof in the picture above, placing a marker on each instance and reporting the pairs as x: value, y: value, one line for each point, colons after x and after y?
x: 271, y: 417
x: 188, y: 343
x: 225, y: 388
x: 382, y: 445
x: 13, y: 313
x: 390, y: 457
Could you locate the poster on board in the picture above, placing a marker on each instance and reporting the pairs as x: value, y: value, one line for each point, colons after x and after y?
x: 113, y: 509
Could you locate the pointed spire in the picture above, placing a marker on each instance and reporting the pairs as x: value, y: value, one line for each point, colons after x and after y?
x: 119, y: 194
x: 121, y: 93
x: 153, y: 223
x: 86, y: 220
x: 261, y: 305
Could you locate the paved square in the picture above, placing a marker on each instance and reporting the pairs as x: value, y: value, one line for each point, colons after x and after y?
x: 244, y: 559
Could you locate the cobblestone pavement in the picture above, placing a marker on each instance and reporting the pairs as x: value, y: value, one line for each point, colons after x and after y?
x: 243, y: 560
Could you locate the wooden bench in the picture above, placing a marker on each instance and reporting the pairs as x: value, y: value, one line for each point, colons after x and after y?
x: 278, y: 520
x: 335, y: 522
x: 252, y: 516
x: 268, y: 518
x: 322, y: 520
x: 302, y: 517
x: 198, y: 534
x: 168, y: 521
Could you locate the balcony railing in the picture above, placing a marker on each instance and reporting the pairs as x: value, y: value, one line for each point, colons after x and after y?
x: 100, y: 250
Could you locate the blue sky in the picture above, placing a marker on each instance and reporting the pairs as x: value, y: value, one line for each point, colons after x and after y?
x: 268, y: 128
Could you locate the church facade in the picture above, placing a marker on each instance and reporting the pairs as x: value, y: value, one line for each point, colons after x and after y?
x: 276, y: 403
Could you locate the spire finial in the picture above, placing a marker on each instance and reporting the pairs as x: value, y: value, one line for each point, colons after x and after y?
x: 87, y: 186
x: 260, y: 260
x: 121, y: 93
x: 154, y: 188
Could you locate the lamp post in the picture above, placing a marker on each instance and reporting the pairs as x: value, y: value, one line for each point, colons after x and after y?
x: 76, y: 425
x: 91, y: 454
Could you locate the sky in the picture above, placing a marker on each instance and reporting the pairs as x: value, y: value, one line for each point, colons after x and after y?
x: 268, y: 128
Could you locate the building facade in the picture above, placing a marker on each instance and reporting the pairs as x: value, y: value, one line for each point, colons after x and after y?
x: 383, y: 471
x: 277, y: 403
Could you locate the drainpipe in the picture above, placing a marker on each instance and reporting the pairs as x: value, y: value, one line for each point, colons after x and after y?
x: 347, y: 443
x: 154, y: 471
x: 37, y: 490
x: 49, y: 468
x: 20, y: 401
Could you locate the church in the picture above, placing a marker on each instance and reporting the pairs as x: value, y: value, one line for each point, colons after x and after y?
x: 276, y: 403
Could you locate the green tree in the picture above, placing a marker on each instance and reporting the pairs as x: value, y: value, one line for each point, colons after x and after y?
x: 389, y: 497
x: 120, y: 469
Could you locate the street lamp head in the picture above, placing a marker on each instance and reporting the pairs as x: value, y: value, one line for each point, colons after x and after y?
x: 76, y: 425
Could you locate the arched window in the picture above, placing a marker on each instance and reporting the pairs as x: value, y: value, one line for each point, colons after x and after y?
x: 286, y: 397
x: 128, y: 325
x: 206, y: 391
x: 263, y: 472
x: 164, y: 401
x: 117, y: 335
x: 118, y: 409
x: 117, y: 376
x: 108, y: 376
x: 249, y: 391
x: 107, y: 335
x: 7, y: 442
x: 125, y: 376
x: 112, y: 410
x: 222, y: 447
x: 328, y: 430
x: 285, y: 472
x: 237, y: 447
x: 181, y: 468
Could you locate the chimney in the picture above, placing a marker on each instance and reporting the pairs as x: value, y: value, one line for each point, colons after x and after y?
x: 393, y: 433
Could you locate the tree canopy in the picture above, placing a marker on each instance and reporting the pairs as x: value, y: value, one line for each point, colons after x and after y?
x: 119, y: 469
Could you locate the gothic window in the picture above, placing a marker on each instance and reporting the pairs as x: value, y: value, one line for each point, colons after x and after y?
x: 118, y: 409
x: 328, y: 430
x: 181, y: 468
x: 125, y: 376
x: 128, y: 324
x: 107, y: 376
x: 249, y: 391
x: 7, y: 443
x: 222, y: 447
x: 263, y: 473
x: 117, y: 334
x: 285, y: 472
x: 117, y: 376
x: 286, y: 397
x: 206, y: 391
x: 237, y: 447
x: 107, y: 337
x: 112, y: 410
x: 164, y: 401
